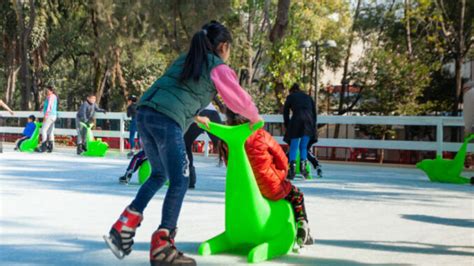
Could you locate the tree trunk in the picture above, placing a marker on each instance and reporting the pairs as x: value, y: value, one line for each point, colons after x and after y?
x: 249, y: 48
x: 10, y: 45
x: 101, y: 85
x: 276, y: 35
x: 11, y: 83
x: 459, y: 60
x: 25, y: 76
x: 408, y: 28
x: 281, y: 22
x: 35, y: 80
x: 117, y: 74
x: 344, y: 83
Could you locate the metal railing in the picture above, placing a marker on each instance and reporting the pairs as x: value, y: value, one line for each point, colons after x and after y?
x: 436, y: 121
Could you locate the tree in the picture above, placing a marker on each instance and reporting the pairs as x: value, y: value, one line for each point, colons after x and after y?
x: 10, y: 53
x: 456, y: 31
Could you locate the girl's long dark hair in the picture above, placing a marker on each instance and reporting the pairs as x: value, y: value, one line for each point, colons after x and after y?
x: 204, y: 42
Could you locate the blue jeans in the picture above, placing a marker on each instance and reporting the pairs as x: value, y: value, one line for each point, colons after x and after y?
x: 164, y: 146
x: 302, y: 144
x: 133, y: 130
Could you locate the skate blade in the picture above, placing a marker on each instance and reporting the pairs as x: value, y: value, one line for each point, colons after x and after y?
x: 118, y: 253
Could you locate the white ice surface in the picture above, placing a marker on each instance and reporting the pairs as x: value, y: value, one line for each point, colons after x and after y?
x: 54, y: 209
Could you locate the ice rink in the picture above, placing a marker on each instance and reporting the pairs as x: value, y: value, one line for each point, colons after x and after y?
x: 54, y: 209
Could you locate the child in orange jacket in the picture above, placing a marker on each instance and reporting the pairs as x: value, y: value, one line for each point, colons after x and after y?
x: 270, y: 167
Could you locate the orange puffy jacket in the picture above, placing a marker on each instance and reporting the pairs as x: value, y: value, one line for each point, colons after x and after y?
x: 269, y: 164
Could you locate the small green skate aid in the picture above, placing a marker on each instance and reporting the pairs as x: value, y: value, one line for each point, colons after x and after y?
x: 30, y: 144
x: 254, y: 226
x: 298, y: 163
x: 144, y: 173
x: 445, y: 170
x: 94, y: 147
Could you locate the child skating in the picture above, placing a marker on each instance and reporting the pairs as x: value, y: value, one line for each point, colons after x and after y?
x: 27, y: 132
x: 165, y: 111
x: 132, y: 128
x: 137, y: 160
x: 270, y: 167
x: 300, y: 127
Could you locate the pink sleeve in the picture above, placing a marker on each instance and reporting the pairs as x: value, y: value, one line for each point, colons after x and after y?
x: 51, y: 102
x: 236, y: 98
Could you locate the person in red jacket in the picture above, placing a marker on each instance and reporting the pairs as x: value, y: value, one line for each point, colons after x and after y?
x: 270, y: 167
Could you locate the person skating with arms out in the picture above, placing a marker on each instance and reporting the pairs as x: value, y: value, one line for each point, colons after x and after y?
x: 85, y: 114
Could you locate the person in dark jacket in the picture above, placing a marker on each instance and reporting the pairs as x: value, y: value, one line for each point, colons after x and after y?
x: 27, y: 132
x: 194, y: 131
x: 85, y: 115
x: 132, y: 128
x: 300, y: 128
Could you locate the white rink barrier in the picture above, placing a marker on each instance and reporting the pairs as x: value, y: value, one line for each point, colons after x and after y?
x: 437, y: 121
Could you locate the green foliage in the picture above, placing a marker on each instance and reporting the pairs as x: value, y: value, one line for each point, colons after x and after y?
x: 392, y: 83
x: 116, y: 48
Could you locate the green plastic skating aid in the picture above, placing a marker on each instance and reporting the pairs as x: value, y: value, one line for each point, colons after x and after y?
x: 298, y: 163
x: 94, y: 147
x: 257, y: 227
x: 144, y: 173
x: 447, y: 171
x: 30, y: 144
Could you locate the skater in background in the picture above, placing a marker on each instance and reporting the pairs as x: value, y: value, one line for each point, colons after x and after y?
x: 300, y: 128
x: 310, y: 156
x: 132, y: 128
x: 194, y: 131
x: 85, y: 114
x: 27, y: 132
x: 270, y: 167
x: 137, y: 160
x: 50, y: 114
x: 165, y: 111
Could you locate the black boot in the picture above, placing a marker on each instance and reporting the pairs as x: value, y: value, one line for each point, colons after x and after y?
x: 42, y: 148
x: 125, y: 179
x: 79, y: 149
x: 292, y: 170
x: 49, y: 146
x: 192, y: 177
x: 303, y: 236
x: 472, y: 180
x: 319, y: 172
x: 303, y: 169
x: 312, y: 159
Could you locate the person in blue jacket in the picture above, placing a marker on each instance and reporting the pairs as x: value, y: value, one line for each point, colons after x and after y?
x: 27, y: 132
